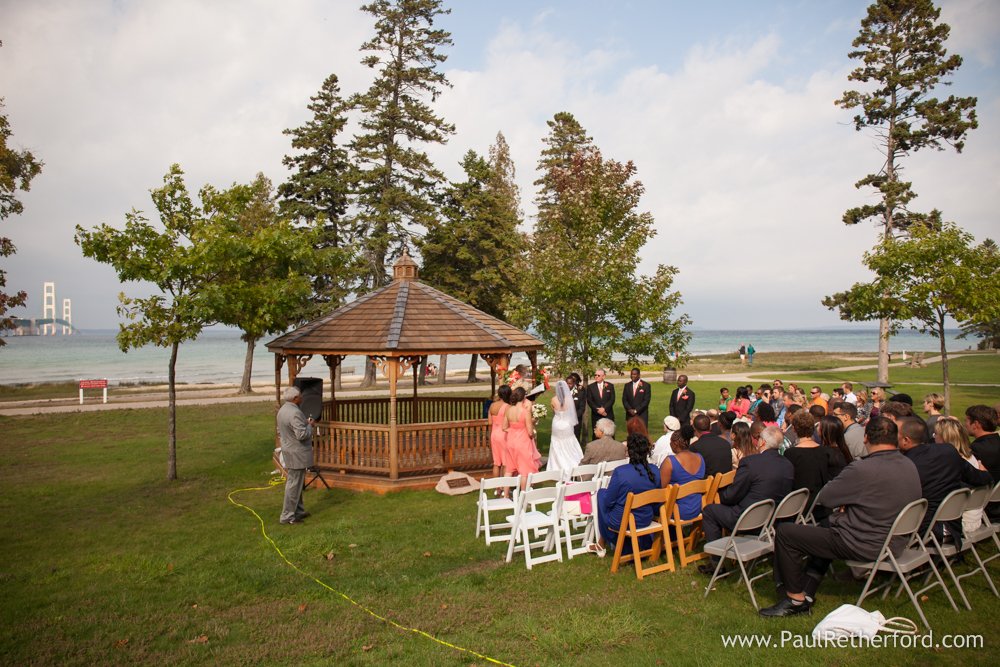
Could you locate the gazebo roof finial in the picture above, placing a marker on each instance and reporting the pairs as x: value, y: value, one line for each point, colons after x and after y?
x: 404, y: 268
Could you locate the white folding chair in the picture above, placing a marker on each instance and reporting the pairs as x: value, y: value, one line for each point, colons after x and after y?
x: 950, y: 509
x: 585, y: 472
x: 487, y: 503
x: 525, y: 520
x: 577, y: 525
x: 609, y: 467
x: 907, y: 524
x: 536, y: 479
x: 978, y: 499
x: 744, y: 548
x: 790, y: 507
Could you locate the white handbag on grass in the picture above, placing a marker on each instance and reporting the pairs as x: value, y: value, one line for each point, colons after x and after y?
x: 849, y: 620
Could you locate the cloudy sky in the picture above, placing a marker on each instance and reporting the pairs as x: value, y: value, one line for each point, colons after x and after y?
x: 725, y: 107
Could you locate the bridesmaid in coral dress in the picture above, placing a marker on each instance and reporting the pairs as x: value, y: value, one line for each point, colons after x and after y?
x: 520, y: 430
x: 498, y: 438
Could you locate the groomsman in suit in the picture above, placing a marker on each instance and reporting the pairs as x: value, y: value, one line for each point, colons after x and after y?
x: 577, y: 389
x: 635, y: 397
x: 601, y: 399
x: 682, y: 400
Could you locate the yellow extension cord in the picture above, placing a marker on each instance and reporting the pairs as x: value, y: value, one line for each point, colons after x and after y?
x: 276, y: 481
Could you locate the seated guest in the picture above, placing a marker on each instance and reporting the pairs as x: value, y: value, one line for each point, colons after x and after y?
x: 726, y: 420
x: 941, y: 470
x: 662, y: 448
x: 741, y: 404
x: 714, y: 448
x: 981, y: 422
x: 763, y: 476
x: 743, y: 444
x: 933, y: 405
x: 636, y: 425
x: 791, y: 436
x: 765, y: 414
x: 817, y: 411
x: 865, y: 407
x: 724, y: 399
x: 854, y: 433
x: 636, y: 477
x: 605, y: 448
x: 816, y: 464
x: 713, y: 417
x: 872, y: 492
x: 763, y: 395
x: 895, y: 410
x: 680, y: 468
x: 816, y: 397
x: 950, y: 431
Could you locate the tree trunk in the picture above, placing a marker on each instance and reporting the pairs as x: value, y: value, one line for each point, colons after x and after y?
x: 443, y: 369
x: 883, y: 350
x: 944, y: 365
x: 420, y: 371
x: 472, y: 369
x: 369, y: 379
x: 172, y: 414
x: 245, y: 387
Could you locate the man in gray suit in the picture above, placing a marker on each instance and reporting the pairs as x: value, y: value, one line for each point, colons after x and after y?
x: 295, y: 431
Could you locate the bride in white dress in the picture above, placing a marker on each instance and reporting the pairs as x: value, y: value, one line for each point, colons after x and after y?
x: 564, y: 450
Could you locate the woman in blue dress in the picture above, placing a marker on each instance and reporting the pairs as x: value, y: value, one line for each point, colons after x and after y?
x: 636, y: 477
x: 682, y: 467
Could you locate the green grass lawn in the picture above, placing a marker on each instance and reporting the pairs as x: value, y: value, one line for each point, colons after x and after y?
x: 105, y: 562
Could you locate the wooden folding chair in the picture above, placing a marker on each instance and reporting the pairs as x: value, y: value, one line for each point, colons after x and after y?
x: 685, y: 545
x: 725, y: 479
x: 658, y: 529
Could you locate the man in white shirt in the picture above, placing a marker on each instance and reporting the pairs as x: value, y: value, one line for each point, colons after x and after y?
x: 849, y: 393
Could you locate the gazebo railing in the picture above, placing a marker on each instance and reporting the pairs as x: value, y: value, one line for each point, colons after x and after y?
x: 423, y: 448
x: 422, y: 411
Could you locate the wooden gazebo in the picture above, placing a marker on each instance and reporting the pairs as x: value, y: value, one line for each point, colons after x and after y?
x: 382, y: 443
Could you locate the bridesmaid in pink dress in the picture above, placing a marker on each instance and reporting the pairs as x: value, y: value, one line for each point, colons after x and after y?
x: 498, y: 439
x: 520, y: 430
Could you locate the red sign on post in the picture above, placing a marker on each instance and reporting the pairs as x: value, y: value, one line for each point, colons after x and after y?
x: 94, y: 384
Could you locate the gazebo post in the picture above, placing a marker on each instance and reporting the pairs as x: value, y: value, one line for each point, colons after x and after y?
x: 417, y: 367
x: 333, y: 361
x: 393, y: 364
x: 533, y: 358
x: 279, y: 361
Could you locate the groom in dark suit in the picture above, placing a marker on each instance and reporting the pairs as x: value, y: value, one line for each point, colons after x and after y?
x: 576, y: 388
x: 635, y: 397
x: 601, y: 399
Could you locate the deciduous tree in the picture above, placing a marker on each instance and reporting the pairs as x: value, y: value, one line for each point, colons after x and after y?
x: 582, y: 292
x: 934, y: 273
x: 262, y: 263
x: 475, y: 252
x: 17, y: 169
x: 903, y: 60
x: 171, y: 258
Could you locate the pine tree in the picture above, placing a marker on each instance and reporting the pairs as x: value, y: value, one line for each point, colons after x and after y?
x: 396, y: 181
x: 318, y: 188
x: 475, y: 252
x: 901, y: 48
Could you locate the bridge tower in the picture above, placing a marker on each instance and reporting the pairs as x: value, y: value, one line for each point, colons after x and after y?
x: 49, y: 308
x: 67, y: 327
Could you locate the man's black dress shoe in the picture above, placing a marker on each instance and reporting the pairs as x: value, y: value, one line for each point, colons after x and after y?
x: 786, y: 607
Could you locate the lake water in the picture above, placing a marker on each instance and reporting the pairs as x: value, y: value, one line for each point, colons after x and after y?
x: 217, y: 356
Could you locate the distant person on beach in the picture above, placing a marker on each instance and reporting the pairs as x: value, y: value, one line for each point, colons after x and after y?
x: 295, y: 434
x: 682, y: 401
x: 750, y: 353
x: 743, y: 354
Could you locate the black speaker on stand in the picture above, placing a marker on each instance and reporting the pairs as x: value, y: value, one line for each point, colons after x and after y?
x: 312, y: 396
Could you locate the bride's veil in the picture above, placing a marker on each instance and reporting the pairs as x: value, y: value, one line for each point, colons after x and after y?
x: 566, y: 400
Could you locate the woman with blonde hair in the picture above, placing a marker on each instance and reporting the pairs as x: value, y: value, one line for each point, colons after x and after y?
x: 865, y: 405
x: 949, y: 430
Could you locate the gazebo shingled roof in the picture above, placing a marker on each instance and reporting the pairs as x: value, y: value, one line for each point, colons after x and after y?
x: 406, y: 317
x: 397, y: 327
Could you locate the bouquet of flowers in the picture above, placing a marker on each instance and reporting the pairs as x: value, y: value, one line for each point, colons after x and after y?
x: 538, y: 411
